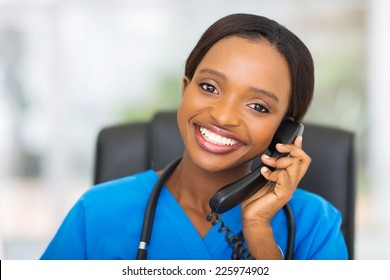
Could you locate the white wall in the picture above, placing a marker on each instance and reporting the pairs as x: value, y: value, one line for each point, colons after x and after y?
x: 378, y: 92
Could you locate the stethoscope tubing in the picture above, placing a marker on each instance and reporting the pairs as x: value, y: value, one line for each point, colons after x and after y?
x: 151, y: 210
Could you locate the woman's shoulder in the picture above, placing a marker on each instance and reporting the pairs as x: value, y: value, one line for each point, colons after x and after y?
x: 318, y: 227
x: 310, y: 203
x: 130, y: 187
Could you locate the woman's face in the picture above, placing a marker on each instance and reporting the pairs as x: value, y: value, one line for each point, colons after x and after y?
x: 234, y: 103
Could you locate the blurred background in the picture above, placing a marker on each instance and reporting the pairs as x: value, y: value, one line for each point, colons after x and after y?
x: 69, y: 68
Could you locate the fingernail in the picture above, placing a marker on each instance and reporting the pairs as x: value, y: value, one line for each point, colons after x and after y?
x: 265, y: 155
x: 264, y: 169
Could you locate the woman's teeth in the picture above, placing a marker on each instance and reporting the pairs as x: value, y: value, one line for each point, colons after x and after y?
x: 217, y: 139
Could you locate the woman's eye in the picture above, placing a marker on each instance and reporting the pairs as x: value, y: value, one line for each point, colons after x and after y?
x: 259, y: 108
x: 209, y: 88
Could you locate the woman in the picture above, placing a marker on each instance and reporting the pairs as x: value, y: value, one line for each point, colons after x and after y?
x: 244, y: 77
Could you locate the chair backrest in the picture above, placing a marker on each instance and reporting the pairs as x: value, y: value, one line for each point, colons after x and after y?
x: 130, y: 148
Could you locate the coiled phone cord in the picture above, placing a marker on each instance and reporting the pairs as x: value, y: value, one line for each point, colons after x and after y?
x: 236, y: 242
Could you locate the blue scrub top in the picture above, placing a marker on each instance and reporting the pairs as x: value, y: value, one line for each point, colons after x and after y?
x: 106, y: 222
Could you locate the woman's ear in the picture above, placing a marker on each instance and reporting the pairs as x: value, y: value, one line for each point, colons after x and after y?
x: 289, y: 118
x: 186, y: 82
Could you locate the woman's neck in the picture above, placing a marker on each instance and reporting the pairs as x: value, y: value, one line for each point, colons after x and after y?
x: 193, y: 187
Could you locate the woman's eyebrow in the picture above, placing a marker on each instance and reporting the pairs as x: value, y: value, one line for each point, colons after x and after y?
x: 213, y: 72
x: 253, y: 89
x: 265, y: 93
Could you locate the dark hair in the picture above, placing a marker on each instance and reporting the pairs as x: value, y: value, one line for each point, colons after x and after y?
x: 254, y: 27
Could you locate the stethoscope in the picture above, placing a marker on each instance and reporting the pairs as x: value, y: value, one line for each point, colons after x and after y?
x: 152, y: 205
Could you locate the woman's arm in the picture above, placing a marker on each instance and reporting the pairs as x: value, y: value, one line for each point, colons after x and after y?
x: 259, y: 209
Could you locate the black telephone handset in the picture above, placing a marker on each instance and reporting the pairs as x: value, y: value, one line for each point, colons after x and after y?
x: 233, y: 194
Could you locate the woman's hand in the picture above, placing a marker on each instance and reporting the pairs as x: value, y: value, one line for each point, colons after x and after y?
x: 259, y: 209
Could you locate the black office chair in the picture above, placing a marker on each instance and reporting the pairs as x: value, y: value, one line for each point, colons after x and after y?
x: 126, y: 149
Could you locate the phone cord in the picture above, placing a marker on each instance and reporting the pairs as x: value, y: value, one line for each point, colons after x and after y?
x: 240, y: 251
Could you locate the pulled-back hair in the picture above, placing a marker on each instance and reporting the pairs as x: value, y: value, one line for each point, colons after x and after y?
x: 254, y: 27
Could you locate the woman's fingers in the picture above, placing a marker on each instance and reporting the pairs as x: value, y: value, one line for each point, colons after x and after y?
x: 297, y: 161
x: 295, y: 165
x: 282, y: 183
x: 284, y: 175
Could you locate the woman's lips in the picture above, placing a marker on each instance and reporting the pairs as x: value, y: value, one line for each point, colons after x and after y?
x: 214, y: 142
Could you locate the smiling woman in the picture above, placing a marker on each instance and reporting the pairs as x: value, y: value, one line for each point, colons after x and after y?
x: 242, y: 87
x: 245, y: 76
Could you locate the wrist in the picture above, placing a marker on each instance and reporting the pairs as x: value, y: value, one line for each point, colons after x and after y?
x: 260, y: 240
x: 257, y: 224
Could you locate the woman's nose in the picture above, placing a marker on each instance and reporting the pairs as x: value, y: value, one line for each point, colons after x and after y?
x: 225, y: 112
